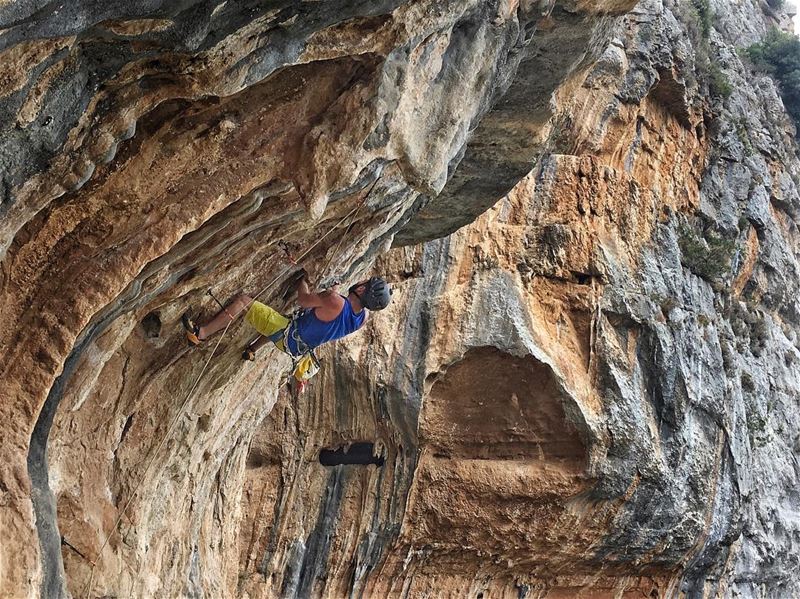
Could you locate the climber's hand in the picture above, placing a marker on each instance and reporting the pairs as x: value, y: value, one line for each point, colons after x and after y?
x: 299, y: 276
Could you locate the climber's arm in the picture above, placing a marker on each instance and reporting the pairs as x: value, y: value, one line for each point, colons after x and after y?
x: 325, y: 299
x: 305, y: 297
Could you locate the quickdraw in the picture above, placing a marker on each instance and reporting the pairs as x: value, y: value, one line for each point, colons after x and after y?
x: 288, y: 251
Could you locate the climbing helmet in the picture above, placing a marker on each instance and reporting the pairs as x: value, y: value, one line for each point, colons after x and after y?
x: 377, y: 294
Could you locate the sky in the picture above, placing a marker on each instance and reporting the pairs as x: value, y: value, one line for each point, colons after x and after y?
x: 797, y: 18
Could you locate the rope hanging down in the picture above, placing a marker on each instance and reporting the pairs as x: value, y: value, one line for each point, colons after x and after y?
x: 179, y: 413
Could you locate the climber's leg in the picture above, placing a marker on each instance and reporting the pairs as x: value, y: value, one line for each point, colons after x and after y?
x: 225, y: 316
x: 249, y: 352
x: 266, y: 320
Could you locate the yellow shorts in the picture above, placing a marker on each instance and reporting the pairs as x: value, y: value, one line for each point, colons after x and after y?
x: 266, y: 320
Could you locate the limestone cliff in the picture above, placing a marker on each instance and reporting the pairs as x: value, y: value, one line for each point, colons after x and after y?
x: 592, y: 389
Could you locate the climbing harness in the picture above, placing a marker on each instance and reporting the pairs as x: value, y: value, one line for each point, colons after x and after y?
x: 151, y: 457
x: 306, y: 367
x: 305, y: 363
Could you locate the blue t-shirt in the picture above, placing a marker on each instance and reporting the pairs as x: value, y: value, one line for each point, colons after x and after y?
x: 314, y: 332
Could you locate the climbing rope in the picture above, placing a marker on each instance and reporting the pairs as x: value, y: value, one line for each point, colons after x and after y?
x: 179, y: 413
x: 349, y: 227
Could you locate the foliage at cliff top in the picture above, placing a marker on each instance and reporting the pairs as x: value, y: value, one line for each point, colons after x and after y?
x: 698, y: 18
x: 779, y: 55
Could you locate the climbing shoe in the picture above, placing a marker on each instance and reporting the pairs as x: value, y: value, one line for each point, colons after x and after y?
x: 192, y: 329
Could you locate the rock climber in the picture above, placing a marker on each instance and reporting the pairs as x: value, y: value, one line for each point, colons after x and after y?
x: 326, y: 316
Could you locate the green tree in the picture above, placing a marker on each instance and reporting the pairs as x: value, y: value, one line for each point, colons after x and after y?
x: 779, y: 56
x: 704, y: 16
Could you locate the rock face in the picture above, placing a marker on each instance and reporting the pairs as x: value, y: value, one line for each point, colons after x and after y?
x: 591, y: 389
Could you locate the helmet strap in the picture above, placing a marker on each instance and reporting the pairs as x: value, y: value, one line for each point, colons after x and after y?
x: 357, y: 294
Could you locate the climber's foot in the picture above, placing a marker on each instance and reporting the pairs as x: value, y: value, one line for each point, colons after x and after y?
x: 192, y: 330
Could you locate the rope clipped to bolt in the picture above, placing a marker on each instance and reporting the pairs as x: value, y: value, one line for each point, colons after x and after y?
x: 295, y: 261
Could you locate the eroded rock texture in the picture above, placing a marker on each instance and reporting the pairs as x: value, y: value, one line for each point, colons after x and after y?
x: 592, y: 389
